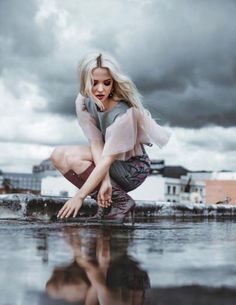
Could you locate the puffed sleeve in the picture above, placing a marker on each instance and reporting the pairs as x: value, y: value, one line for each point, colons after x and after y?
x: 129, y: 130
x: 121, y: 135
x: 152, y: 132
x: 87, y: 121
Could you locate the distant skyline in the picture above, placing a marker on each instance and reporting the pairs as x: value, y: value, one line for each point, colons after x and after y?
x: 179, y: 53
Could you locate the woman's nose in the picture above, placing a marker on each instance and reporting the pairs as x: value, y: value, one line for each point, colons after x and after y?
x: 100, y: 87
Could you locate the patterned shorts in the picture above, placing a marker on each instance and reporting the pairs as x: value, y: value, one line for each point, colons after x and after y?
x: 131, y: 173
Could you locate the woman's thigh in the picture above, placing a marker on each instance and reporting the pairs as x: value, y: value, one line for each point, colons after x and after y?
x: 82, y: 151
x: 131, y: 173
x: 65, y: 157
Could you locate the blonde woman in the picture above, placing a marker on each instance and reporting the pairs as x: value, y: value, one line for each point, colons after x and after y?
x: 117, y: 126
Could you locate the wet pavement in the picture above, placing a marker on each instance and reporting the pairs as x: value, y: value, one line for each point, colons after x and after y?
x: 156, y: 262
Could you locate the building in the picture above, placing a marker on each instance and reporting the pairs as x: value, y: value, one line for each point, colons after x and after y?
x: 57, y: 186
x: 153, y: 188
x: 171, y: 184
x: 193, y: 187
x: 45, y: 168
x: 221, y: 191
x: 165, y: 183
x: 20, y: 183
x: 27, y: 183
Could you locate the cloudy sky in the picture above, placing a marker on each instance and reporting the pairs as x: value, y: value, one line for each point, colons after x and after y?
x: 180, y: 54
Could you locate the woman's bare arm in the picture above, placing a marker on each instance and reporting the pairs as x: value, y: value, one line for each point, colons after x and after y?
x: 97, y: 149
x: 97, y: 175
x: 73, y: 205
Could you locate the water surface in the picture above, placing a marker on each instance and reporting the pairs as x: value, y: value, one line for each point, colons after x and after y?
x: 45, y: 262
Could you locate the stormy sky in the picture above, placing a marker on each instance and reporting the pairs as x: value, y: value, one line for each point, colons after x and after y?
x: 179, y: 53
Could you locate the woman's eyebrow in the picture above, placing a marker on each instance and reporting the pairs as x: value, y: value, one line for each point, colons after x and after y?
x: 103, y: 80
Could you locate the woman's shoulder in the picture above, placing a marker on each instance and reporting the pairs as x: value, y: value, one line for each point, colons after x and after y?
x: 123, y: 104
x: 122, y: 107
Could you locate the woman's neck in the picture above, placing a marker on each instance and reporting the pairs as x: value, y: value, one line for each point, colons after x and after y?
x: 109, y: 103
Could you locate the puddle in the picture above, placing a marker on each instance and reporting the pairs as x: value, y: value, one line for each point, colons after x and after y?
x: 43, y: 262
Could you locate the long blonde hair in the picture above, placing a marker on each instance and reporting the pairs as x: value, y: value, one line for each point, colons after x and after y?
x: 124, y: 88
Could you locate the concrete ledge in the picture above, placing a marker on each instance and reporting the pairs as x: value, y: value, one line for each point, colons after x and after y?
x: 21, y: 205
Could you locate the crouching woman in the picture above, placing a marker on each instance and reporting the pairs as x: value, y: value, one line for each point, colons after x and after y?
x: 117, y: 126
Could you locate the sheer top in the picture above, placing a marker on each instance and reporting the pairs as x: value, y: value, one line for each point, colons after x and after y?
x: 122, y: 129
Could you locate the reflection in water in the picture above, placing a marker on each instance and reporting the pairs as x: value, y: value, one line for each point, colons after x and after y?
x: 102, y: 272
x: 42, y: 246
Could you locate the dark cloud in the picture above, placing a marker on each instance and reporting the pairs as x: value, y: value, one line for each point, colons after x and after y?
x: 181, y: 54
x: 196, y: 106
x: 24, y: 40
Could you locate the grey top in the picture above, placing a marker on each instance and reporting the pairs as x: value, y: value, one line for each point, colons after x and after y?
x: 105, y: 118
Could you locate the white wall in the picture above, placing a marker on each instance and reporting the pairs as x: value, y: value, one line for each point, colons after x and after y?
x: 153, y: 188
x: 223, y: 176
x: 53, y: 186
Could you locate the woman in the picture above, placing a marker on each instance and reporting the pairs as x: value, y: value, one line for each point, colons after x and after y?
x: 111, y: 114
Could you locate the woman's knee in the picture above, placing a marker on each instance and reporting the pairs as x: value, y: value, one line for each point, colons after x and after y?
x: 58, y: 156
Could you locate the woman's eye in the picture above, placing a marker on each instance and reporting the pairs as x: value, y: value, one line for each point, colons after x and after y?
x: 106, y: 83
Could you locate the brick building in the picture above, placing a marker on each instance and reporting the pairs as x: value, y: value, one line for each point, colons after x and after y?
x: 221, y: 191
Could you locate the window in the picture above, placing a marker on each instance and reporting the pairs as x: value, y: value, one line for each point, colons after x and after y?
x: 174, y: 189
x: 168, y: 189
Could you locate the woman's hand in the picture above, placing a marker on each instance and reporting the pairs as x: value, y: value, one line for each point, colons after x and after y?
x: 94, y: 98
x: 98, y: 103
x: 104, y: 194
x: 72, y: 205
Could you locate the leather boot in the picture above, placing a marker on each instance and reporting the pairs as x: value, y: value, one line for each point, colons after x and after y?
x: 122, y: 205
x: 79, y: 180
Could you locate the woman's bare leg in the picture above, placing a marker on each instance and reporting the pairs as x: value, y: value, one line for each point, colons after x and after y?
x: 77, y: 158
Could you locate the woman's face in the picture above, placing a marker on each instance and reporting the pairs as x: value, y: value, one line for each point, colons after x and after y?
x: 102, y: 83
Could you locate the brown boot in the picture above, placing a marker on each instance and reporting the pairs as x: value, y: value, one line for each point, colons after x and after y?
x: 79, y: 180
x: 122, y: 205
x: 100, y: 211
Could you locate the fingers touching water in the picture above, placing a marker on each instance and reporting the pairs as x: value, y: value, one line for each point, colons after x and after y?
x: 72, y: 206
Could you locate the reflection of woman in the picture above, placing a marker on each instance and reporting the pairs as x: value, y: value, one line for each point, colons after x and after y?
x: 100, y: 273
x: 69, y: 283
x: 111, y: 114
x: 124, y: 283
x: 126, y: 277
